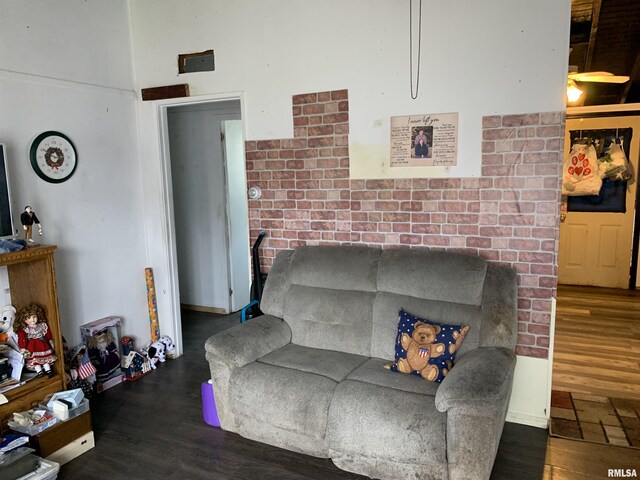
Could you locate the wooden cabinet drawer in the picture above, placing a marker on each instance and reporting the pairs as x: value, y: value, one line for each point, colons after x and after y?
x: 61, y: 434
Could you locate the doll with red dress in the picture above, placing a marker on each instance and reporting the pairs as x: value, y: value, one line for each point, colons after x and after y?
x: 34, y: 339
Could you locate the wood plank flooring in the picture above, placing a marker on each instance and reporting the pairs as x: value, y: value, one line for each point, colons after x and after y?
x: 572, y: 460
x: 597, y: 352
x: 153, y: 429
x: 597, y: 342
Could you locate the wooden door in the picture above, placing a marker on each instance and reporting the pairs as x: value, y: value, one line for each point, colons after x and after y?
x: 595, y: 247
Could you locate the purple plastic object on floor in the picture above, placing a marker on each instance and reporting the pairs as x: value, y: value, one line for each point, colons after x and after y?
x: 209, y: 411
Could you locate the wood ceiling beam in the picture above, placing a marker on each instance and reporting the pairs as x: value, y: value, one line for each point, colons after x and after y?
x: 595, y: 19
x: 632, y: 77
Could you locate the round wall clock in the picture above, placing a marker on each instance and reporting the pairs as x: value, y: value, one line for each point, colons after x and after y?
x: 53, y: 157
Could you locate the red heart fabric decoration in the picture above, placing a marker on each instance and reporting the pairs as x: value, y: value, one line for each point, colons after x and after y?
x: 578, y: 170
x: 574, y: 160
x: 581, y: 156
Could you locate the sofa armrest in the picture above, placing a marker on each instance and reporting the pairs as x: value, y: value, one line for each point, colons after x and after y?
x: 236, y: 347
x: 480, y: 378
x: 246, y: 342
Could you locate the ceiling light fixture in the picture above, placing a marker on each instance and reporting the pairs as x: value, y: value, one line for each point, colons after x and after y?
x: 573, y: 92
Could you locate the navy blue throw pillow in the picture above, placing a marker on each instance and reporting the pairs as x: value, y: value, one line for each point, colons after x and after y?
x: 425, y: 348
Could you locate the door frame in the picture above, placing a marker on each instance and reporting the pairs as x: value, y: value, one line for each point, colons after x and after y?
x: 627, y: 110
x: 168, y: 221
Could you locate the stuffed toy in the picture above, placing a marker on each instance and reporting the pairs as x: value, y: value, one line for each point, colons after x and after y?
x: 420, y: 348
x: 7, y: 335
x: 156, y: 353
x: 10, y: 338
x: 169, y: 347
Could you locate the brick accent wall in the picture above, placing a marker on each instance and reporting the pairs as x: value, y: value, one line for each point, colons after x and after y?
x: 509, y: 215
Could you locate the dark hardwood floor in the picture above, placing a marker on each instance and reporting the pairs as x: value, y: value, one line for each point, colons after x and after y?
x: 153, y: 429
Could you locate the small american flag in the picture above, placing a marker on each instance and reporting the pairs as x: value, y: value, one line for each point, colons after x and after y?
x: 86, y: 370
x: 423, y: 352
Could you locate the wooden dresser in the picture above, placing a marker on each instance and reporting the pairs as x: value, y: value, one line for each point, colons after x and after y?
x: 32, y: 278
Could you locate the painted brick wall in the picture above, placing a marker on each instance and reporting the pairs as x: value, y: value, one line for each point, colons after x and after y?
x: 509, y: 215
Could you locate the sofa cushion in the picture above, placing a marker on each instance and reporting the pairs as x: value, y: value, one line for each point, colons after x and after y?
x: 328, y: 363
x: 385, y: 320
x: 378, y: 423
x: 330, y: 319
x: 433, y: 275
x: 277, y: 285
x: 336, y: 267
x: 284, y: 406
x: 426, y: 348
x: 372, y: 372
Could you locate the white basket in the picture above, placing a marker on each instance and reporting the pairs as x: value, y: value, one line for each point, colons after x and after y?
x: 46, y: 471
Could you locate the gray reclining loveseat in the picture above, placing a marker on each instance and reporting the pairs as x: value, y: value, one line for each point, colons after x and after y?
x: 309, y: 375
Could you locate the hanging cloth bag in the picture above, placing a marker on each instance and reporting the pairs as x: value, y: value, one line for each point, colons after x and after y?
x: 614, y: 164
x: 580, y: 172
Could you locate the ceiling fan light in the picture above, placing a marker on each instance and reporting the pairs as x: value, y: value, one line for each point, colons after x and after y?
x: 573, y: 92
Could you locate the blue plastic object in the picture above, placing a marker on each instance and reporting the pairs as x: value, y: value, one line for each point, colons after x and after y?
x: 243, y: 315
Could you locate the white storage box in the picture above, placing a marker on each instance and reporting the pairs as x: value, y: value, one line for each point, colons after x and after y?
x: 73, y: 449
x: 71, y: 413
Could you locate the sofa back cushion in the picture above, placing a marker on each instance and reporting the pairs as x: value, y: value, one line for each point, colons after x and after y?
x: 329, y: 302
x: 277, y: 286
x: 443, y: 287
x: 433, y: 275
x: 347, y: 298
x: 385, y: 320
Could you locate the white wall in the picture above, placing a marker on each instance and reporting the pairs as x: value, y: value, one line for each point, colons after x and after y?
x: 67, y: 66
x: 478, y: 58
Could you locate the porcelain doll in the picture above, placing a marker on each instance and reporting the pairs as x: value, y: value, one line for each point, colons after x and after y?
x: 104, y: 355
x: 34, y: 339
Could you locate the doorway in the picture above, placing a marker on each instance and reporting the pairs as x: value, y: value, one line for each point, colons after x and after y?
x: 598, y: 270
x: 207, y: 211
x: 596, y: 238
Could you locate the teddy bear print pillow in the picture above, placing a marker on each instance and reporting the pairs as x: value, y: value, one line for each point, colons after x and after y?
x: 424, y: 348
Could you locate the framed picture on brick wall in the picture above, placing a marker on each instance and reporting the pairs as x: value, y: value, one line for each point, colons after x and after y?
x: 424, y: 140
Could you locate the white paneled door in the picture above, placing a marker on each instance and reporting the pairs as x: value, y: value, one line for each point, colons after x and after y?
x: 595, y: 247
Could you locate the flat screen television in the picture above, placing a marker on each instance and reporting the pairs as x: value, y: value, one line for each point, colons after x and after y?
x: 6, y: 218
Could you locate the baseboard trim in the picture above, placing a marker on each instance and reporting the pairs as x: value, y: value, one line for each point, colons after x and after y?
x: 198, y: 308
x: 529, y: 420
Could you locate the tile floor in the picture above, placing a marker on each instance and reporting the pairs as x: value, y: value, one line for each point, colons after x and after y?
x: 615, y: 421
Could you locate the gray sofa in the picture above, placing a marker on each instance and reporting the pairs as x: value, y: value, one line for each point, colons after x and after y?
x: 308, y: 376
